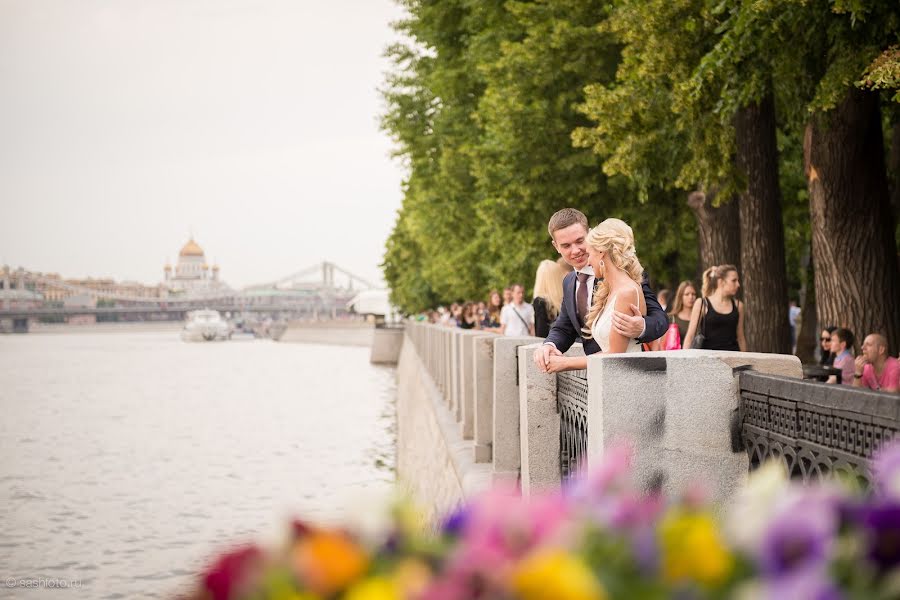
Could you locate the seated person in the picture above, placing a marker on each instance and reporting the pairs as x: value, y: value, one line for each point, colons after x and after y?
x: 841, y: 346
x: 874, y: 368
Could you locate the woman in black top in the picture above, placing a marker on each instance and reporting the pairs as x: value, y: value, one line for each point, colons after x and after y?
x: 470, y: 318
x: 548, y: 293
x: 719, y: 317
x: 827, y: 359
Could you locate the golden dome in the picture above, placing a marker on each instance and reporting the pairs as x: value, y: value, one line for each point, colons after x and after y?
x: 191, y: 249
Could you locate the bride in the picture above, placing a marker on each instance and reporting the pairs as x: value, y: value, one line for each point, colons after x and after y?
x: 611, y: 254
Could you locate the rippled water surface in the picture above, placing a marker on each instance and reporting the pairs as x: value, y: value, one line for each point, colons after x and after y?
x: 127, y: 458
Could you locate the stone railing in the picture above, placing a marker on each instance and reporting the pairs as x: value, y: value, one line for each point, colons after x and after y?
x: 474, y: 409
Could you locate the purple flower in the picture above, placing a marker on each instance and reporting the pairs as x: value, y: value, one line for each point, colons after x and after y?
x: 811, y: 584
x: 455, y: 522
x: 801, y: 534
x: 880, y: 525
x: 886, y: 471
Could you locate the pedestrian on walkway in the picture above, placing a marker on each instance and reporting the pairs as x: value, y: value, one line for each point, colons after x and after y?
x: 517, y: 317
x: 718, y: 319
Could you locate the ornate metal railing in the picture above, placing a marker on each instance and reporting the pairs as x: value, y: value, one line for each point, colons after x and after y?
x: 815, y: 430
x: 571, y: 403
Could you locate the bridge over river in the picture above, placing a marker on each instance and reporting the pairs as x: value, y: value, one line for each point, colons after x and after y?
x: 321, y: 290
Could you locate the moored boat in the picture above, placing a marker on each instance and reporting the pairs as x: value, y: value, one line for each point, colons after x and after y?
x: 205, y: 326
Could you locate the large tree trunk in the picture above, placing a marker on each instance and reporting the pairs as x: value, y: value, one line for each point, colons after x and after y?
x: 893, y: 168
x: 718, y: 230
x: 764, y: 277
x: 857, y: 277
x: 808, y: 329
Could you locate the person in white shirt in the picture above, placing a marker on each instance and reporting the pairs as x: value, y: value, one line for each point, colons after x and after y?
x: 517, y: 317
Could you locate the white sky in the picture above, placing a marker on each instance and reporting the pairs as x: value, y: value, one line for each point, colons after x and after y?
x: 125, y: 124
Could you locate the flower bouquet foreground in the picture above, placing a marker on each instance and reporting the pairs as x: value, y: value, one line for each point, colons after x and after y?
x: 598, y: 538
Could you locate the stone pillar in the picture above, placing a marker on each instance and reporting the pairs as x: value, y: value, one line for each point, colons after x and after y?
x: 539, y: 424
x: 676, y: 408
x: 483, y: 369
x: 467, y: 341
x: 454, y: 366
x: 506, y: 444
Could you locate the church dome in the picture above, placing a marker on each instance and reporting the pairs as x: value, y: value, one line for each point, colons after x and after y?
x: 191, y: 249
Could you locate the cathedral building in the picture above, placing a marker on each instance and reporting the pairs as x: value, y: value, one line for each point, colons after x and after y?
x: 193, y: 273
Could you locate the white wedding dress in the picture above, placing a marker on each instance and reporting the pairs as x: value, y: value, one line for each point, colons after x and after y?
x: 603, y: 325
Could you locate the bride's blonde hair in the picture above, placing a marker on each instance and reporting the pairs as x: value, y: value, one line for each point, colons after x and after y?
x: 616, y: 238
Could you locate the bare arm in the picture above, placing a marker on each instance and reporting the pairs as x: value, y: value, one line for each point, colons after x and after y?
x: 742, y: 341
x: 618, y: 342
x: 692, y: 328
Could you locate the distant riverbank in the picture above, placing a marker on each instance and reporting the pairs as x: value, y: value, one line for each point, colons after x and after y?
x: 111, y: 327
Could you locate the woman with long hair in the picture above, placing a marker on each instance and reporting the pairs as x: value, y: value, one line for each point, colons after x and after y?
x: 612, y: 256
x: 470, y: 318
x: 719, y: 317
x: 548, y: 295
x: 685, y: 297
x: 491, y: 320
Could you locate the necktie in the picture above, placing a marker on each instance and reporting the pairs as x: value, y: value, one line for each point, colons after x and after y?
x: 581, y: 296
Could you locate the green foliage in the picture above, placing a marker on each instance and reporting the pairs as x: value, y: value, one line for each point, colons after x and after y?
x: 505, y: 111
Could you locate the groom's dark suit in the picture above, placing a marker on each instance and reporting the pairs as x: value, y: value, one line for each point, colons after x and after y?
x: 566, y: 329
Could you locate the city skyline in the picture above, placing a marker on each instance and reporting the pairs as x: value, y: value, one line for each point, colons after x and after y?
x: 253, y: 126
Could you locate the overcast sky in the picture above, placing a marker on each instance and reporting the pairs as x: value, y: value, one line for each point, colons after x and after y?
x: 127, y: 124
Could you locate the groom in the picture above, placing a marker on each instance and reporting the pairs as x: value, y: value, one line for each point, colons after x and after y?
x: 569, y: 228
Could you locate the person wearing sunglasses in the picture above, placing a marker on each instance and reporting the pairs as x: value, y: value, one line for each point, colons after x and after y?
x: 827, y: 358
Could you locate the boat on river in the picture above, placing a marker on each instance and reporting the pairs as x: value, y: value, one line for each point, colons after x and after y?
x: 205, y: 326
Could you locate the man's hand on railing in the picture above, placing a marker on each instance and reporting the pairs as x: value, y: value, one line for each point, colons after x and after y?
x: 542, y: 356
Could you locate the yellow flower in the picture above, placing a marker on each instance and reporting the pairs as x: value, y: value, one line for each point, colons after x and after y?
x: 555, y: 575
x: 373, y: 588
x: 692, y: 548
x: 328, y: 561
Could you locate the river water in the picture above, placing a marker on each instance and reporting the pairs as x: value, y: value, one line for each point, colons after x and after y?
x: 127, y: 459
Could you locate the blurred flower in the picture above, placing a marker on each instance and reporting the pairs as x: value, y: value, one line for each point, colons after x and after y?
x: 455, y: 522
x: 232, y: 572
x: 751, y: 509
x: 692, y: 548
x: 327, y: 561
x: 810, y: 584
x: 412, y: 577
x: 886, y: 471
x: 801, y: 534
x: 554, y: 574
x: 504, y: 526
x: 880, y: 524
x: 613, y: 471
x: 373, y: 588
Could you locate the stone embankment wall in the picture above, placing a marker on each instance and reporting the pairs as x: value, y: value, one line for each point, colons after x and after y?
x: 473, y: 409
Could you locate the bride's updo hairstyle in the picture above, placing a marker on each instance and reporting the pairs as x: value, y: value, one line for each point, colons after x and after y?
x: 616, y: 239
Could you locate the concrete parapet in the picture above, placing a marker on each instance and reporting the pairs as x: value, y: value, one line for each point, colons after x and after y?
x: 386, y: 345
x: 676, y: 408
x: 506, y: 445
x: 483, y: 392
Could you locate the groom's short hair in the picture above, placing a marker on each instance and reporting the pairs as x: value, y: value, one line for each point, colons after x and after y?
x: 564, y: 218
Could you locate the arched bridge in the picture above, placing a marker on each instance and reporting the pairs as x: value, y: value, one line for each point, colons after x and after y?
x: 321, y: 290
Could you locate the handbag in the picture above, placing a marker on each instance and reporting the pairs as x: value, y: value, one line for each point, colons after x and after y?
x: 673, y: 338
x: 700, y: 337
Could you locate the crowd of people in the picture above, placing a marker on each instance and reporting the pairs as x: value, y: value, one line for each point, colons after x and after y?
x: 598, y: 293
